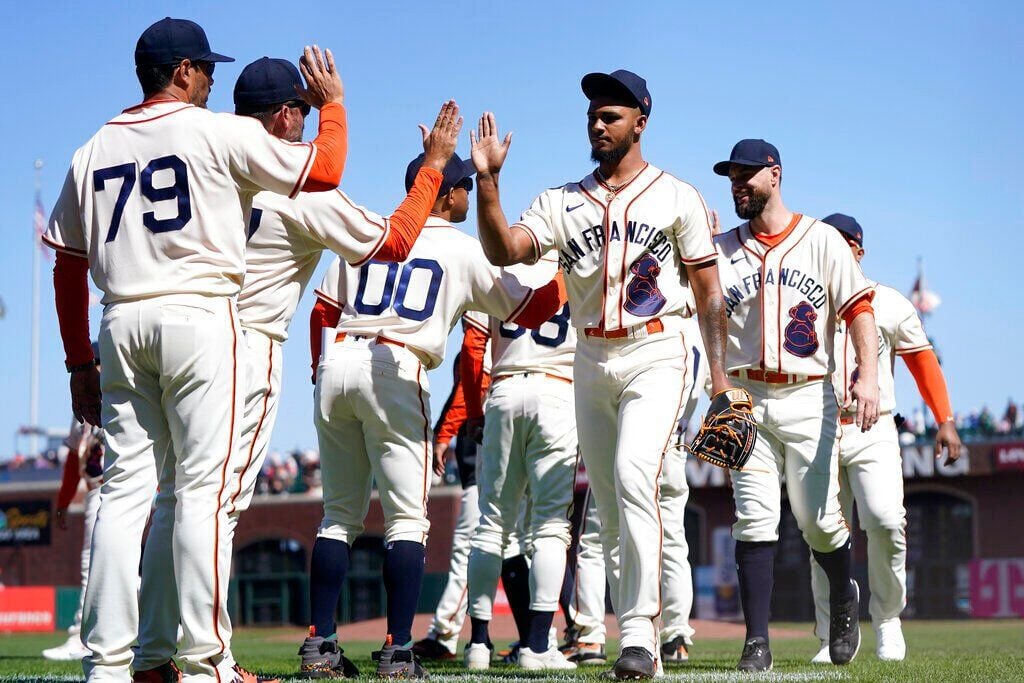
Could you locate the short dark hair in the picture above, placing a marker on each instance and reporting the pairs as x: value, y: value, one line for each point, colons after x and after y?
x: 263, y: 114
x: 154, y: 78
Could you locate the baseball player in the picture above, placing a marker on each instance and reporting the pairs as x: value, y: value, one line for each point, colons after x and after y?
x: 84, y: 463
x: 870, y: 467
x: 676, y: 576
x: 787, y: 279
x: 286, y: 239
x: 154, y: 206
x: 632, y: 241
x: 441, y: 642
x: 390, y: 324
x: 529, y: 449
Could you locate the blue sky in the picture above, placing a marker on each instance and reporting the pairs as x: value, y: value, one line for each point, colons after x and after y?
x: 905, y: 115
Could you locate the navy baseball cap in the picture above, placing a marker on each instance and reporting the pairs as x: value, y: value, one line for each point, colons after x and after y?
x: 620, y: 82
x: 750, y: 153
x: 266, y: 82
x: 169, y: 41
x: 455, y: 172
x: 847, y: 225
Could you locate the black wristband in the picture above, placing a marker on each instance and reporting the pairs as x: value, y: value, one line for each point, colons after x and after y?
x: 82, y: 366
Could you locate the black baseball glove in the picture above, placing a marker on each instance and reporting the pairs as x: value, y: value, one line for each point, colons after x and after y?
x: 726, y: 438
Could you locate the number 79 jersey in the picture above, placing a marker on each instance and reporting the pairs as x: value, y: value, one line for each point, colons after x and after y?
x: 550, y: 348
x: 418, y: 301
x: 156, y: 200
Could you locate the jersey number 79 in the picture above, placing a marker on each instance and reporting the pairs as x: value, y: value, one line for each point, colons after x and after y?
x: 177, y: 191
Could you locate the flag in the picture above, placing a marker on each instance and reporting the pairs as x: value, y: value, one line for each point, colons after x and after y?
x: 924, y: 300
x: 39, y: 224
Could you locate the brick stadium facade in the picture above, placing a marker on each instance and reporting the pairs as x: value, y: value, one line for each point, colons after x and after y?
x: 964, y: 556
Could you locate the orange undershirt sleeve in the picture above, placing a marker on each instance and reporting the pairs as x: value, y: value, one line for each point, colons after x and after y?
x: 408, y: 219
x: 545, y: 303
x: 71, y: 295
x: 453, y: 416
x: 862, y: 306
x: 471, y: 367
x: 924, y: 366
x: 331, y: 149
x: 323, y: 315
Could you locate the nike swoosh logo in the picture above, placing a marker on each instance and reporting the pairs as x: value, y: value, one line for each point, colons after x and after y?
x: 736, y: 260
x: 570, y: 209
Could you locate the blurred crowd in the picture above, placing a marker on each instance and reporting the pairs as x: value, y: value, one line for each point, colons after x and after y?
x: 298, y: 471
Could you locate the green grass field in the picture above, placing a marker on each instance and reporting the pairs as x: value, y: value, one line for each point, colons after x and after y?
x: 939, y: 651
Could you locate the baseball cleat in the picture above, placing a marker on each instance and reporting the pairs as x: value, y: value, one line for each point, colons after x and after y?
x: 823, y: 656
x: 844, y: 628
x: 891, y: 645
x: 244, y: 676
x: 511, y: 655
x: 570, y: 637
x: 68, y: 651
x: 549, y: 659
x: 675, y: 651
x: 167, y: 672
x: 589, y: 654
x: 431, y: 649
x: 634, y: 663
x: 477, y: 656
x: 322, y: 658
x: 397, y: 662
x: 757, y: 656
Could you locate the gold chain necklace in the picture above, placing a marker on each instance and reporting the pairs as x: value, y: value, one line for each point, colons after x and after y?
x: 612, y: 189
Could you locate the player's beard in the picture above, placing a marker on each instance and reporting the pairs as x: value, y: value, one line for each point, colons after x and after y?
x: 756, y: 202
x: 611, y: 156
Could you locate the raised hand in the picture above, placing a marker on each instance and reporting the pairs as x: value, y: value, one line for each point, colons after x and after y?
x: 488, y: 151
x: 323, y: 84
x: 439, y: 143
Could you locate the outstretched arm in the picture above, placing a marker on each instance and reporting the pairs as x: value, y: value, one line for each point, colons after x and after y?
x: 502, y: 246
x: 707, y: 292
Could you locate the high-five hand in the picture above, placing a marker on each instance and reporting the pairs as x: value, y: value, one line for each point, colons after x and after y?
x: 323, y: 84
x: 439, y: 143
x: 488, y: 151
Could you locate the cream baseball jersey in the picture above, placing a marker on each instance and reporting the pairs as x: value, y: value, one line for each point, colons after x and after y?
x: 623, y: 253
x: 782, y: 301
x: 550, y: 348
x: 286, y: 238
x: 899, y: 331
x: 156, y: 199
x: 417, y: 302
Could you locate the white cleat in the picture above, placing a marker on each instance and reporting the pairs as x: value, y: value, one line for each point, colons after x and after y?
x: 69, y: 651
x: 891, y: 645
x: 477, y: 656
x: 823, y: 656
x: 550, y: 659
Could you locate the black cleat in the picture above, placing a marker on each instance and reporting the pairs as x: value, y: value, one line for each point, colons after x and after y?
x: 322, y: 658
x: 397, y: 662
x: 844, y: 629
x: 675, y: 651
x: 432, y: 649
x: 634, y: 663
x: 757, y: 656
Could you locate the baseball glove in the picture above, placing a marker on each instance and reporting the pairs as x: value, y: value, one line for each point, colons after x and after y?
x: 726, y: 438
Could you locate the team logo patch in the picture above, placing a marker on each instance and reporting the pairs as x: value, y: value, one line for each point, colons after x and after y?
x: 801, y: 339
x: 643, y: 297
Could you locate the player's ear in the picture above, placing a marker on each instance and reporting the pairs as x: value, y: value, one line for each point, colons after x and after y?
x: 640, y: 125
x: 183, y: 74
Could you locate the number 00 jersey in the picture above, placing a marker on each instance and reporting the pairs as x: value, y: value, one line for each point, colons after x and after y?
x: 418, y: 301
x: 549, y: 349
x: 623, y: 253
x: 156, y: 199
x: 899, y: 331
x: 782, y: 302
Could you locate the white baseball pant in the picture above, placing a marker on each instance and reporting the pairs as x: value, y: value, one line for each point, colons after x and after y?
x: 529, y: 450
x: 629, y: 394
x: 159, y: 613
x: 171, y: 381
x: 372, y: 419
x: 91, y: 506
x: 871, y: 472
x: 451, y: 609
x: 797, y: 427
